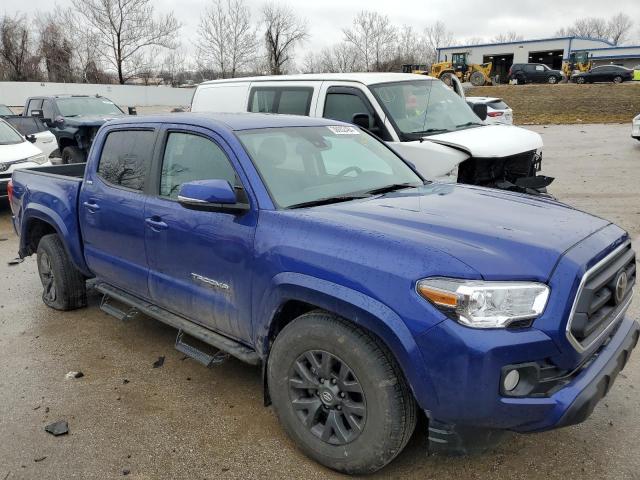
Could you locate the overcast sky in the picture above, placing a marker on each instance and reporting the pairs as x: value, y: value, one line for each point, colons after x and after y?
x: 465, y: 18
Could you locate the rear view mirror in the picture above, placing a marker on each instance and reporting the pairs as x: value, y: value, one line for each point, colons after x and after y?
x: 212, y: 195
x: 37, y: 113
x: 362, y: 120
x: 480, y: 109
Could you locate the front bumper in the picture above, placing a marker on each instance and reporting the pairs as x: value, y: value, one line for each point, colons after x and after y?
x: 466, y: 375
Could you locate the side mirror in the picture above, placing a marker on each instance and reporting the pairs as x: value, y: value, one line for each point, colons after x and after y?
x: 31, y: 138
x: 59, y: 121
x: 132, y: 111
x: 211, y: 195
x: 480, y: 109
x: 362, y: 120
x: 37, y: 113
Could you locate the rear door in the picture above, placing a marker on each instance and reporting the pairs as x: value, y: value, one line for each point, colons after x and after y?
x: 112, y: 203
x: 199, y: 261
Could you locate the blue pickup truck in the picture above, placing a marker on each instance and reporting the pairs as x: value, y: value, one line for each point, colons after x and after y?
x: 367, y: 295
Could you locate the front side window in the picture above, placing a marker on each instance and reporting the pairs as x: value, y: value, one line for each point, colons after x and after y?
x: 27, y: 125
x: 34, y: 104
x: 285, y: 100
x: 305, y: 164
x: 343, y: 106
x: 126, y: 157
x: 424, y: 107
x: 189, y: 157
x: 47, y: 110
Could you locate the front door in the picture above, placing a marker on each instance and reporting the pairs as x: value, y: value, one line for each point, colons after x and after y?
x: 112, y: 208
x: 200, y: 262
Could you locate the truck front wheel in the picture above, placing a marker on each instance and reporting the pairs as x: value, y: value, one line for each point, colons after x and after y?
x: 339, y: 394
x: 72, y: 155
x: 63, y: 285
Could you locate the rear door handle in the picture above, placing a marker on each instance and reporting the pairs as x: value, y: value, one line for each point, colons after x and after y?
x: 92, y: 206
x: 155, y: 223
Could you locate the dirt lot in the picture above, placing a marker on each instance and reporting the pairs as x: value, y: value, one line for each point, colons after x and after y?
x: 568, y: 102
x: 185, y: 421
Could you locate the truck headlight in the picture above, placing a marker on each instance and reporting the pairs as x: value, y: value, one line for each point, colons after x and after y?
x: 480, y: 304
x: 39, y: 158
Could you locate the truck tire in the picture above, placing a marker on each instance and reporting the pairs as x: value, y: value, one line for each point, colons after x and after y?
x: 477, y: 79
x: 63, y: 285
x: 72, y: 155
x: 552, y: 79
x: 339, y: 394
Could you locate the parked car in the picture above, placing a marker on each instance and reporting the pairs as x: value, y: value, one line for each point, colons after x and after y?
x: 16, y: 152
x: 417, y: 115
x: 4, y: 111
x: 38, y: 133
x: 73, y: 119
x: 534, y: 73
x: 635, y: 128
x: 309, y: 247
x: 604, y: 73
x: 498, y: 112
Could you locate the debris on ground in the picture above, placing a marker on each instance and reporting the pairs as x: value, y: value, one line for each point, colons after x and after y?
x: 15, y: 261
x: 58, y: 428
x: 39, y: 459
x: 3, y: 239
x: 125, y: 381
x: 126, y: 471
x: 158, y: 363
x: 72, y: 375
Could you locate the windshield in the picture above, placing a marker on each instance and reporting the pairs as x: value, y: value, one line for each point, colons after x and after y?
x: 424, y: 107
x: 8, y: 135
x: 80, y: 106
x: 301, y: 165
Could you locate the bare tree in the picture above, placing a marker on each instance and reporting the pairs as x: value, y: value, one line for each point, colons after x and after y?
x: 619, y: 27
x: 17, y: 49
x: 374, y: 37
x: 173, y: 68
x: 436, y: 36
x: 283, y: 31
x: 226, y: 39
x: 411, y: 47
x: 125, y: 30
x: 507, y: 37
x: 55, y: 47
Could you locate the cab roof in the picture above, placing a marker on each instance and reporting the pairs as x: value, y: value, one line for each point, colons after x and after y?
x: 229, y: 121
x: 364, y: 78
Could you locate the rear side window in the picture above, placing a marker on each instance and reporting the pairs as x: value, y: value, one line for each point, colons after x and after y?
x: 289, y: 100
x: 27, y: 125
x: 189, y: 157
x: 126, y: 157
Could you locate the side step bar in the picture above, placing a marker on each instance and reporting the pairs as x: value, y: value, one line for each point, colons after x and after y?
x: 238, y: 350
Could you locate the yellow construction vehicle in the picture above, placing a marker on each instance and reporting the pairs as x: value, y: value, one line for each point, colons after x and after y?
x: 416, y: 68
x: 477, y: 74
x: 578, y: 61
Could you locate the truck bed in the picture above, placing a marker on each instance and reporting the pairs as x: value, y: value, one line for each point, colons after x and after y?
x: 49, y: 194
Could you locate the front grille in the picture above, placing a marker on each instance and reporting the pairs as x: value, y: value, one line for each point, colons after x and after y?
x: 490, y: 171
x: 603, y: 296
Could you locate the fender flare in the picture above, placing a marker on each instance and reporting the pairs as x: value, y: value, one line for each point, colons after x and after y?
x: 51, y: 217
x: 362, y: 310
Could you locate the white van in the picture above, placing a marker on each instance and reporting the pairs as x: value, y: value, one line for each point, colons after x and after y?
x: 418, y: 116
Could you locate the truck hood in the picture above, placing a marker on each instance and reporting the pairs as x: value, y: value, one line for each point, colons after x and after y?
x: 90, y: 120
x: 490, y: 141
x: 501, y: 235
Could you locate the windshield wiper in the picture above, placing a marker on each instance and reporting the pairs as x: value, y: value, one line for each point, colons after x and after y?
x: 431, y: 130
x: 391, y: 188
x: 327, y: 201
x: 468, y: 124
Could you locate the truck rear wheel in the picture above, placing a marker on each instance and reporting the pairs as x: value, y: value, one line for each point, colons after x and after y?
x: 340, y: 394
x: 63, y: 285
x: 72, y: 155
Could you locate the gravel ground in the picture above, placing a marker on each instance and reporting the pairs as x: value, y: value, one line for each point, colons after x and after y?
x: 186, y: 421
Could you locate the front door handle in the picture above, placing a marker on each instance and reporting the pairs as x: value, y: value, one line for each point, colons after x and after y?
x: 92, y: 206
x: 156, y: 223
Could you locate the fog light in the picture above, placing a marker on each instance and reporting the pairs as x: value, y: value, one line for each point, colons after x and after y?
x: 511, y: 380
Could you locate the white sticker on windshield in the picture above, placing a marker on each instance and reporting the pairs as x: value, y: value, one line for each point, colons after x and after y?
x: 343, y: 130
x: 107, y: 101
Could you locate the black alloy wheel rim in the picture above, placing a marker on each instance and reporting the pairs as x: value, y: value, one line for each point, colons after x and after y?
x: 327, y: 397
x: 47, y: 278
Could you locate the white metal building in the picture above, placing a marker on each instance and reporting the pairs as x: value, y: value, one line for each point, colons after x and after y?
x: 550, y: 51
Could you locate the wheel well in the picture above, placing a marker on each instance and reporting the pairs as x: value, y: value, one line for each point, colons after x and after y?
x: 287, y: 312
x: 35, y: 231
x: 66, y: 142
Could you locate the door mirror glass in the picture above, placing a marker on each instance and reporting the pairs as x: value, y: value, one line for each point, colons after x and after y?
x: 480, y: 109
x: 362, y: 120
x: 209, y: 195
